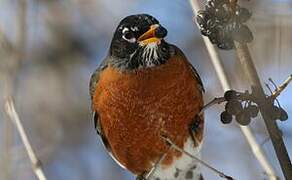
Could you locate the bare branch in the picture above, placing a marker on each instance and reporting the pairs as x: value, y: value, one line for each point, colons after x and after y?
x: 153, y: 169
x: 244, y: 96
x: 246, y: 61
x: 216, y: 100
x: 281, y: 88
x: 13, y: 116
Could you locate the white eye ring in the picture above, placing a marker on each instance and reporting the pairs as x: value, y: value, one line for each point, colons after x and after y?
x: 132, y: 40
x: 125, y: 30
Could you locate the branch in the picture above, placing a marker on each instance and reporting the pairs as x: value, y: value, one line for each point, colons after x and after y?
x: 13, y: 116
x: 228, y: 30
x: 265, y: 108
x: 148, y: 175
x: 216, y: 100
x: 281, y: 88
x: 246, y: 96
x: 10, y: 68
x: 247, y: 132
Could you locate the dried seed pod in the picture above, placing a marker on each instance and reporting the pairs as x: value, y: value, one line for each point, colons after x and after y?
x: 233, y: 107
x: 226, y: 118
x: 283, y: 115
x: 222, y: 26
x: 243, y: 118
x: 253, y: 110
x: 275, y: 112
x: 230, y: 95
x: 243, y: 15
x: 202, y: 18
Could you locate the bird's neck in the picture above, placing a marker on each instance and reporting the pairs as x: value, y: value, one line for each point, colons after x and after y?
x: 147, y: 56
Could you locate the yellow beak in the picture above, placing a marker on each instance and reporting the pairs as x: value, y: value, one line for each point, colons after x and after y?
x: 149, y: 36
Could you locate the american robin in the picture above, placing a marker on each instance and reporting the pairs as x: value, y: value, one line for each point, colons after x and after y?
x: 145, y: 89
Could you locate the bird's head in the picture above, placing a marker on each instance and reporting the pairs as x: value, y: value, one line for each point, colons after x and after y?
x: 138, y: 43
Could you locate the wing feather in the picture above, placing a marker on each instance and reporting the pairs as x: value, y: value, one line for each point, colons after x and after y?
x: 98, y: 127
x: 194, y: 71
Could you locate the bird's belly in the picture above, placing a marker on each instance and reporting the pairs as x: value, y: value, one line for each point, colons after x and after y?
x: 183, y: 167
x: 135, y: 110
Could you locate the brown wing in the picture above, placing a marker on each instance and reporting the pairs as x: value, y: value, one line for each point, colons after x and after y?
x: 197, y: 127
x: 95, y: 76
x: 92, y: 85
x: 104, y: 141
x: 97, y: 125
x: 195, y: 73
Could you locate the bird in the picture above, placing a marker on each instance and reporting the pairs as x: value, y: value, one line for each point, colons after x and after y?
x: 143, y: 90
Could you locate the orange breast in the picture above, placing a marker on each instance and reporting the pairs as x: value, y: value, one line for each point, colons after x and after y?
x: 136, y: 107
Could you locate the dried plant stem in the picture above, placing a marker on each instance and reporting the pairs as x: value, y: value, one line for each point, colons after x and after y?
x: 275, y: 94
x: 13, y: 116
x: 217, y: 100
x: 272, y: 127
x: 154, y: 168
x: 279, y: 89
x: 9, y: 67
x: 222, y: 76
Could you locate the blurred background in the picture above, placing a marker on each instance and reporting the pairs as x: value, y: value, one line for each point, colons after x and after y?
x: 61, y: 42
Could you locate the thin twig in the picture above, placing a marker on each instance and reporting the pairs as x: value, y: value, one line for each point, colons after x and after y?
x: 274, y: 84
x: 6, y: 53
x: 280, y: 88
x: 154, y: 168
x: 217, y: 100
x: 268, y: 87
x: 221, y: 174
x: 13, y: 116
x: 9, y: 67
x: 222, y: 76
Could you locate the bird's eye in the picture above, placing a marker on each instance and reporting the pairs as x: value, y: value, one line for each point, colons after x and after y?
x: 129, y: 36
